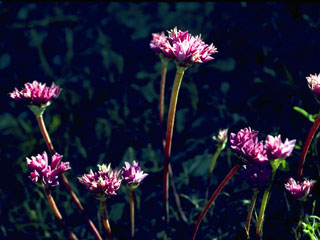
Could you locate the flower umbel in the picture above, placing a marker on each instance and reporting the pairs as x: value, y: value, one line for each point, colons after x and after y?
x: 298, y: 190
x: 44, y: 174
x: 314, y: 85
x: 276, y: 149
x: 132, y: 174
x: 103, y: 183
x: 36, y: 93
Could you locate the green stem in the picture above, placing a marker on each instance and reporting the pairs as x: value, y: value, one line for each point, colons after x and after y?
x: 212, y: 165
x: 64, y: 179
x: 233, y: 171
x: 164, y: 62
x: 57, y: 213
x: 170, y: 124
x: 306, y: 146
x: 131, y: 203
x: 104, y: 218
x: 264, y: 205
x: 251, y: 207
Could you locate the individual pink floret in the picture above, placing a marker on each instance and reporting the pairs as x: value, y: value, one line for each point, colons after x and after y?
x: 44, y: 174
x: 298, y: 190
x: 132, y: 174
x: 314, y: 85
x: 36, y: 93
x: 276, y: 149
x: 103, y: 183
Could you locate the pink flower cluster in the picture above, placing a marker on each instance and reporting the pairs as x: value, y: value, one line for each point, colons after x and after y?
x: 43, y: 173
x: 132, y: 174
x: 103, y: 183
x: 36, y: 93
x: 314, y: 85
x: 246, y: 144
x: 183, y: 47
x: 299, y: 191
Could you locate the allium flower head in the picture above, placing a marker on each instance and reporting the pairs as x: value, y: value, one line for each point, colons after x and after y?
x: 276, y: 149
x: 181, y: 46
x: 132, y: 174
x: 36, y: 93
x: 44, y: 174
x: 298, y: 190
x: 314, y: 85
x: 103, y: 183
x: 257, y: 175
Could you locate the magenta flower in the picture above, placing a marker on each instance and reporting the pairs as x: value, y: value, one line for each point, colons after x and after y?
x: 184, y: 48
x: 314, y: 85
x: 103, y: 183
x: 276, y: 149
x: 299, y: 191
x: 44, y: 174
x: 132, y: 174
x: 36, y: 93
x: 257, y: 175
x: 238, y: 140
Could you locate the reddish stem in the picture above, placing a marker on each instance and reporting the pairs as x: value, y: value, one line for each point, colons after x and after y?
x: 213, y: 197
x: 64, y: 179
x: 131, y: 203
x: 103, y: 209
x: 306, y: 146
x: 57, y: 213
x: 170, y: 124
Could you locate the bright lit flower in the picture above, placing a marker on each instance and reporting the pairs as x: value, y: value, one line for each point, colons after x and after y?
x: 44, y: 174
x: 132, y: 174
x: 238, y: 140
x: 257, y: 175
x: 36, y: 93
x: 181, y: 46
x: 298, y: 190
x: 276, y: 149
x: 314, y: 85
x: 254, y: 151
x: 103, y: 183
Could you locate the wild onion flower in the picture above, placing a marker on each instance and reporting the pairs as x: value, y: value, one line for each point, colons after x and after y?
x: 44, y: 174
x: 276, y: 149
x: 299, y: 190
x: 182, y: 47
x: 36, y: 93
x: 257, y: 175
x: 314, y: 85
x: 132, y: 174
x: 103, y: 183
x: 245, y: 144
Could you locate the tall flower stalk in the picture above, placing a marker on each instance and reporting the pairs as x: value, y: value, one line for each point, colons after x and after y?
x: 38, y: 97
x: 255, y: 193
x: 314, y: 85
x: 104, y: 217
x: 185, y: 50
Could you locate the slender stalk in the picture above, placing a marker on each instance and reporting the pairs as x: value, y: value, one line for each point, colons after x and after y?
x: 170, y: 124
x: 57, y: 213
x: 306, y: 146
x: 212, y: 165
x: 103, y: 209
x: 164, y: 62
x: 251, y: 207
x: 64, y: 179
x: 233, y: 171
x: 131, y: 203
x: 264, y: 202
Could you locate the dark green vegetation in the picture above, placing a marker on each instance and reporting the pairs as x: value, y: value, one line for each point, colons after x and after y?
x: 108, y: 110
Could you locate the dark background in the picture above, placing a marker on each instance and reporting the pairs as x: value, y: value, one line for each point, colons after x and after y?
x: 108, y: 110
